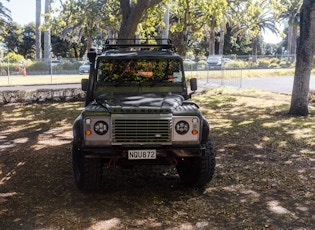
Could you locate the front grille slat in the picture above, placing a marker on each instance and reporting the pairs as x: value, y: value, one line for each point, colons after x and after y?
x: 141, y: 131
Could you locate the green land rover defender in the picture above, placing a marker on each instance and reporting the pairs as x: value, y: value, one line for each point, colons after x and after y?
x: 138, y: 111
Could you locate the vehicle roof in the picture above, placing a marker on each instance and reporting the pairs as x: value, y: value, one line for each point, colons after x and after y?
x: 130, y: 48
x: 114, y: 54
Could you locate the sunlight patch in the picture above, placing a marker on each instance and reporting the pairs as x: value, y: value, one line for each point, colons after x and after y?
x: 275, y: 207
x: 106, y: 224
x: 4, y: 196
x: 245, y: 122
x: 21, y: 140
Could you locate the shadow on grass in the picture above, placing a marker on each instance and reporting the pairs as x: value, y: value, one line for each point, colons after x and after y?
x: 263, y: 177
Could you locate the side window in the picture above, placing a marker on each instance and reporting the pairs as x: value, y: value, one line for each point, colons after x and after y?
x: 175, y: 73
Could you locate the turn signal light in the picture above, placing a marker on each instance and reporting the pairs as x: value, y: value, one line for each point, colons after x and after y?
x: 194, y: 132
x: 88, y: 132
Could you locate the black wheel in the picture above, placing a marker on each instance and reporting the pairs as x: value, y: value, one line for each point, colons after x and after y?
x: 197, y: 171
x: 88, y: 172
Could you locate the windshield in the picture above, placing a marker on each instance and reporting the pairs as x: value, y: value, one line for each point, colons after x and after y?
x: 139, y: 70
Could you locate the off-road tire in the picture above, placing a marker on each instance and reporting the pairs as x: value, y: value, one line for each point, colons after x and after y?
x: 88, y: 172
x: 197, y: 171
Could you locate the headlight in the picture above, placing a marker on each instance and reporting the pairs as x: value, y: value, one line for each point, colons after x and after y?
x: 186, y: 129
x: 101, y: 127
x: 182, y: 127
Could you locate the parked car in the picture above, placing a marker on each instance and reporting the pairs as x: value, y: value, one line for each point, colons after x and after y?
x: 85, y: 68
x: 214, y: 62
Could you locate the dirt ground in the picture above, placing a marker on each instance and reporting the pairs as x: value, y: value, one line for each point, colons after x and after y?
x: 254, y: 187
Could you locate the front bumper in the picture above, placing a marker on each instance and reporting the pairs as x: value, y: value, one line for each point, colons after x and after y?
x: 161, y: 152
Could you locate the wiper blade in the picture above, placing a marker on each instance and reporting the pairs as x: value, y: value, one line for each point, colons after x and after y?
x: 104, y: 104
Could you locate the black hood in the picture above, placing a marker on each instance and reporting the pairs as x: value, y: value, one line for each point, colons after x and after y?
x: 143, y: 100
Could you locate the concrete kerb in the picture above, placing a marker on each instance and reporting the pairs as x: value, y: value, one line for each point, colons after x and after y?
x: 40, y: 95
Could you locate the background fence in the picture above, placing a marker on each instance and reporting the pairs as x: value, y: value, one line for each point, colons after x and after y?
x: 229, y: 73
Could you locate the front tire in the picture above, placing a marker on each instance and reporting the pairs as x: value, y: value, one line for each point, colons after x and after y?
x: 88, y: 172
x: 197, y: 171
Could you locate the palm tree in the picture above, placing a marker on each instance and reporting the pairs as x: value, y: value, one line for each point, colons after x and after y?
x: 47, y: 40
x: 4, y: 14
x: 264, y: 21
x: 292, y: 16
x: 258, y: 19
x: 4, y: 18
x: 38, y: 32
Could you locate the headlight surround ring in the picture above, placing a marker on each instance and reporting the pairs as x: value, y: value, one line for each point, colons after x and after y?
x: 100, y: 127
x: 182, y: 127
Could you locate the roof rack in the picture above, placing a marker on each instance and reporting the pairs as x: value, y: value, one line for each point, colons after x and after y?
x: 160, y: 44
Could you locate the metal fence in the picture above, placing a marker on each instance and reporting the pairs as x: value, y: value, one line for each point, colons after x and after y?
x: 67, y: 71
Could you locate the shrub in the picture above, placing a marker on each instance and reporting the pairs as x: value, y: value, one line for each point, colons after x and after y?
x: 274, y: 61
x: 273, y: 65
x: 263, y: 63
x: 235, y: 64
x: 38, y: 66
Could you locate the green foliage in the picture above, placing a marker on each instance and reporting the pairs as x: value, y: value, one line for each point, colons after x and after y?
x: 37, y: 66
x: 13, y: 57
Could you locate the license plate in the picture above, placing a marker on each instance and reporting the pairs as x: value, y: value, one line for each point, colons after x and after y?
x: 141, y: 154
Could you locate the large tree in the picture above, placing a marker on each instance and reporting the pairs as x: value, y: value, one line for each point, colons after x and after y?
x: 14, y: 37
x: 305, y: 54
x: 132, y: 12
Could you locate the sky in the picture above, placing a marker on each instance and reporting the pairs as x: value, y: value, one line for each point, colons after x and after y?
x: 23, y: 12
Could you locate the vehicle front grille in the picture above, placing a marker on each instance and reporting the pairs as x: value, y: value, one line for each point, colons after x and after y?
x: 130, y: 131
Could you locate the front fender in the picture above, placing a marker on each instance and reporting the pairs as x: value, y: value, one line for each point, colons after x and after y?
x: 205, y: 131
x: 77, y: 130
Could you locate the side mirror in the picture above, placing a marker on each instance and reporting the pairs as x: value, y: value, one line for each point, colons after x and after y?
x: 84, y: 84
x: 193, y: 84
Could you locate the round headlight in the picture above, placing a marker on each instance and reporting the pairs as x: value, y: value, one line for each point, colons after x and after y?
x: 182, y: 127
x: 101, y: 127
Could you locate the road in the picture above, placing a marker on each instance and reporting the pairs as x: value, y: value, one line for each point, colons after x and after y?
x: 273, y: 84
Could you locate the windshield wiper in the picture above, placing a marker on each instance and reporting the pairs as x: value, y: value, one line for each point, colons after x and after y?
x: 104, y: 104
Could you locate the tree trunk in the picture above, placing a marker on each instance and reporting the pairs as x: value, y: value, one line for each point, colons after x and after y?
x: 131, y: 16
x: 254, y: 46
x: 47, y: 39
x: 38, y: 32
x: 289, y: 45
x: 294, y: 43
x: 165, y: 34
x: 305, y: 53
x: 212, y: 41
x: 221, y: 44
x: 294, y: 39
